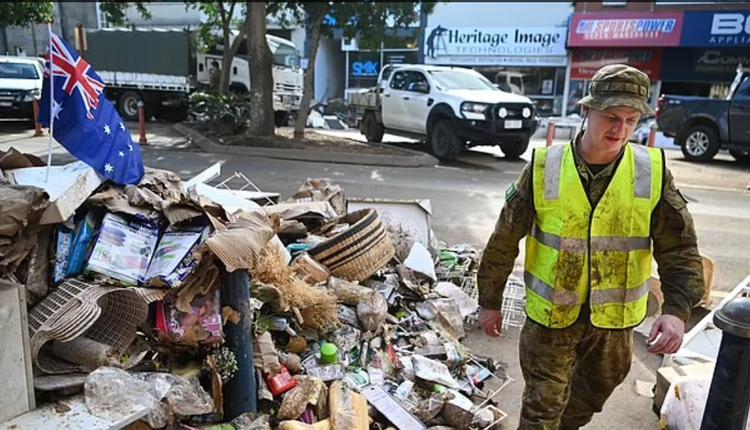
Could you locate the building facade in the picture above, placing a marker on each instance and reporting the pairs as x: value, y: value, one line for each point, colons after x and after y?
x: 519, y: 46
x: 687, y: 48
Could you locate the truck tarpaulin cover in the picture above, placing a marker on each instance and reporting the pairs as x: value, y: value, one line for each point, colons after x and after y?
x: 163, y: 52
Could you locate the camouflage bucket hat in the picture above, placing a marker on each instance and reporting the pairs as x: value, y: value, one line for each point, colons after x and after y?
x: 619, y: 85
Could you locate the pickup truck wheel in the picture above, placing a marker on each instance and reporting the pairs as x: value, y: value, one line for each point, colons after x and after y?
x: 371, y: 128
x: 127, y: 105
x: 514, y: 148
x: 701, y: 143
x: 741, y: 156
x: 445, y: 144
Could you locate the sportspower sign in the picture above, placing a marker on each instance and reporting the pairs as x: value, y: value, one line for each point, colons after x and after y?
x: 625, y: 29
x: 475, y: 45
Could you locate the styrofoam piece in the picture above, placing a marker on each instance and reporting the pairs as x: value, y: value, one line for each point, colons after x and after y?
x: 420, y: 261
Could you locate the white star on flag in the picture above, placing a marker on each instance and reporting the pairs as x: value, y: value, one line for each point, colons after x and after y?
x: 107, y: 130
x: 56, y: 108
x: 130, y: 147
x: 122, y: 127
x: 109, y: 168
x: 121, y: 154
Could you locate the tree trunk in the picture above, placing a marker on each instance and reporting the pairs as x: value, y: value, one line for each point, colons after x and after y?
x: 228, y: 56
x: 309, y: 83
x: 261, y: 76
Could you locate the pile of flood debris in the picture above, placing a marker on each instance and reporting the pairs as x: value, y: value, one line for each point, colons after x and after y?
x: 183, y: 305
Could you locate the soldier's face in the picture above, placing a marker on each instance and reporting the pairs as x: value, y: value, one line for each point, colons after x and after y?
x: 611, y: 128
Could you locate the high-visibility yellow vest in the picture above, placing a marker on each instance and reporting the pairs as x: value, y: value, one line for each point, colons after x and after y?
x: 574, y: 253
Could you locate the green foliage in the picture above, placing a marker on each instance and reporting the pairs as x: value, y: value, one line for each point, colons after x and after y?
x: 218, y: 21
x: 25, y: 13
x: 114, y: 11
x: 231, y: 109
x: 372, y: 22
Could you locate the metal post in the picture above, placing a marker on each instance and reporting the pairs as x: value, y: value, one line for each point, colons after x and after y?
x: 142, y: 123
x: 566, y: 85
x: 240, y: 392
x: 729, y: 397
x: 37, y: 127
x: 550, y: 132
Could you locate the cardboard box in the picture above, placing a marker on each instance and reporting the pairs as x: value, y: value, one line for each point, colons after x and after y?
x: 123, y: 249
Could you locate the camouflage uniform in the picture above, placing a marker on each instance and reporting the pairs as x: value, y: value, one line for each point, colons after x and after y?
x: 570, y: 372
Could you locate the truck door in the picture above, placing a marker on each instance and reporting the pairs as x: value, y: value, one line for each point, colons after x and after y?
x: 739, y: 114
x: 393, y: 106
x: 415, y: 100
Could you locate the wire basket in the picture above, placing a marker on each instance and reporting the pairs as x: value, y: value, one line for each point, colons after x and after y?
x: 514, y: 304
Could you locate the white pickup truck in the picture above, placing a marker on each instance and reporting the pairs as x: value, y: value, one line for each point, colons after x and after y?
x: 451, y: 108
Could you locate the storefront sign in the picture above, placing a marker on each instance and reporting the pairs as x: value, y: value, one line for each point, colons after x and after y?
x: 625, y: 29
x: 703, y: 64
x: 586, y: 62
x: 493, y: 45
x: 716, y: 29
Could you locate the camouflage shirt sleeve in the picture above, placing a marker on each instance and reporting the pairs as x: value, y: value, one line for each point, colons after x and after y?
x: 676, y: 252
x: 501, y: 251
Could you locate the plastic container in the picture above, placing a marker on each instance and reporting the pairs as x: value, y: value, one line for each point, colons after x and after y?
x: 329, y: 353
x: 281, y: 383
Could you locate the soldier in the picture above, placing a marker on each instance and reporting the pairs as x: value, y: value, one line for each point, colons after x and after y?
x: 592, y: 212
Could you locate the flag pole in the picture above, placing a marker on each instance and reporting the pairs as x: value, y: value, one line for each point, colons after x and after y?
x: 51, y: 103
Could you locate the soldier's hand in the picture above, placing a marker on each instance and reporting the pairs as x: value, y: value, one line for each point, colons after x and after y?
x: 491, y: 321
x: 671, y: 329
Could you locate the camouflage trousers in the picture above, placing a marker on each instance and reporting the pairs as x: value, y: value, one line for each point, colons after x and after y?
x: 570, y: 372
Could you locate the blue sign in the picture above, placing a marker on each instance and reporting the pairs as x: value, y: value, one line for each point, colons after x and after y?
x: 365, y: 68
x: 716, y: 29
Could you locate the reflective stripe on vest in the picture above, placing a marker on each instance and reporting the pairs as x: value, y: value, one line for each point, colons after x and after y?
x: 574, y: 253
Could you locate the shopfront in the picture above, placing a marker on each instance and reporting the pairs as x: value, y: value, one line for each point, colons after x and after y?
x: 705, y: 62
x: 523, y: 60
x: 638, y: 39
x: 363, y: 65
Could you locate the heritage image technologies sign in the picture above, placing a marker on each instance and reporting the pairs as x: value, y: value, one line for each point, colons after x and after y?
x: 442, y: 42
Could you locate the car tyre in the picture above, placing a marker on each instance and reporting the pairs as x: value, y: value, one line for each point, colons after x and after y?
x: 700, y: 143
x: 127, y: 105
x: 743, y: 157
x: 513, y: 149
x: 445, y: 144
x: 371, y: 128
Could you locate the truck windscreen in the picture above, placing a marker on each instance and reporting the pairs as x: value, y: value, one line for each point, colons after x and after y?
x: 286, y: 56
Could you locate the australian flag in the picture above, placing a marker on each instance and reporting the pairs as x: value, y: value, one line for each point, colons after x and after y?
x: 85, y: 122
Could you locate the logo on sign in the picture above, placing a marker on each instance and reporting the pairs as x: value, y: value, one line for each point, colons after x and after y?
x: 730, y: 28
x: 628, y: 28
x: 365, y: 68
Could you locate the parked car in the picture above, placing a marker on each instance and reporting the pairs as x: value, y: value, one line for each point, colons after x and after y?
x: 702, y: 126
x: 451, y: 108
x: 20, y: 84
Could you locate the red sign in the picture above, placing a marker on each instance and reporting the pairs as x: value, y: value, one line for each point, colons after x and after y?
x: 625, y: 29
x: 586, y: 62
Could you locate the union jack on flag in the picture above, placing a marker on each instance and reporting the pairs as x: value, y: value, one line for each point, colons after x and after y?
x: 78, y: 74
x: 83, y: 120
